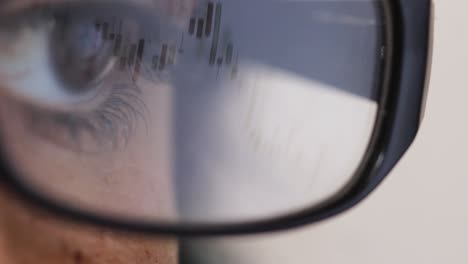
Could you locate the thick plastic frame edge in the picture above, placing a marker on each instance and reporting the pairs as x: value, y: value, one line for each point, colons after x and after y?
x: 408, y: 25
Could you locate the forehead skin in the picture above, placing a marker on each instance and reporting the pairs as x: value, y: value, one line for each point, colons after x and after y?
x: 28, y: 235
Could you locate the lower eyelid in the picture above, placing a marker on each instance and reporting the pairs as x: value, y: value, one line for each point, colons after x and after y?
x: 101, y: 125
x: 106, y: 128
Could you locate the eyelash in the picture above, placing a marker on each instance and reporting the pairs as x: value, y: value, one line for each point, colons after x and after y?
x: 109, y: 126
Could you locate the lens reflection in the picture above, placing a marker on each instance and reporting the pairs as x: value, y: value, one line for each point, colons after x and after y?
x: 238, y: 111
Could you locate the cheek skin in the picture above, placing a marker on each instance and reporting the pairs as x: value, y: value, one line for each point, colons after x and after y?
x: 28, y: 235
x: 133, y: 181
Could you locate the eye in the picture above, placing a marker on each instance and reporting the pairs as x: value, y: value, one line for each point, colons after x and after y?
x: 80, y: 53
x: 252, y: 109
x: 73, y: 70
x: 61, y: 57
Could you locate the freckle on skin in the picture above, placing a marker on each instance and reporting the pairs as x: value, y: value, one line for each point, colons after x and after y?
x: 30, y: 237
x: 78, y: 257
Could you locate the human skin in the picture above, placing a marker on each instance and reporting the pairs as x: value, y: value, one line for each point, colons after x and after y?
x: 30, y: 235
x: 124, y: 181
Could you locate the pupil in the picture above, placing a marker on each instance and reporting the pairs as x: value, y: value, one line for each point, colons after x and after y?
x: 79, y: 53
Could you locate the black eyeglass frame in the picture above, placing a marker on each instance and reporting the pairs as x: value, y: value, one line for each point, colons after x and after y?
x: 404, y: 83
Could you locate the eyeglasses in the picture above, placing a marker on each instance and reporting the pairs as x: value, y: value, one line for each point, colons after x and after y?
x: 208, y: 117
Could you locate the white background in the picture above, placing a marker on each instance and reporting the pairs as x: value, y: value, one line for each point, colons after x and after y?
x: 420, y: 213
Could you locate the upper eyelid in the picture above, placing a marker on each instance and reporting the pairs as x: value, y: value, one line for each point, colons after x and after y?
x: 178, y: 8
x: 11, y: 6
x: 123, y: 8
